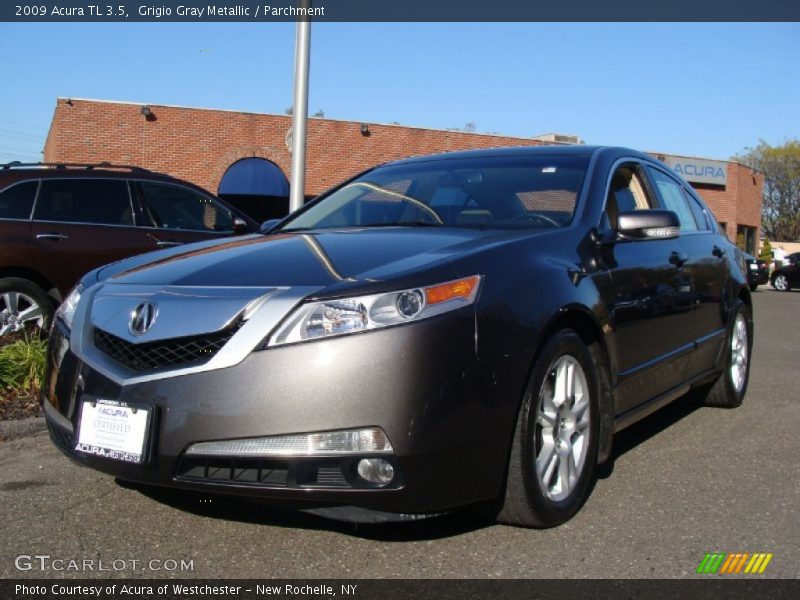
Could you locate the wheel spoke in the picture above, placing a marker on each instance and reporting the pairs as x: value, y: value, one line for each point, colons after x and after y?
x: 33, y: 312
x: 547, y: 421
x: 566, y: 470
x: 4, y: 329
x: 12, y: 301
x: 560, y: 389
x: 546, y: 462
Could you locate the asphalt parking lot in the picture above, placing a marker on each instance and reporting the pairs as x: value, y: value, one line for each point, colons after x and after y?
x: 686, y: 481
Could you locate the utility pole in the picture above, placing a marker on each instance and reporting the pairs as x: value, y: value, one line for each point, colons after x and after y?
x: 302, y: 52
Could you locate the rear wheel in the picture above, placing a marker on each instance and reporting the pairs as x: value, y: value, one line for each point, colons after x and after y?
x: 781, y: 283
x: 554, y: 450
x: 24, y: 306
x: 729, y: 390
x: 753, y: 287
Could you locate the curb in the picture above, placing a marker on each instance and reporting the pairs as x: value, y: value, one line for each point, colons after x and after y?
x: 18, y: 428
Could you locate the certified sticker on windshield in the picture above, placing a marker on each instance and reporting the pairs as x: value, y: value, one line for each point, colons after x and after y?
x: 114, y: 430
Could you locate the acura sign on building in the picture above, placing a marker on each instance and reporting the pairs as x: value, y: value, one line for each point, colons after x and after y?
x: 695, y: 170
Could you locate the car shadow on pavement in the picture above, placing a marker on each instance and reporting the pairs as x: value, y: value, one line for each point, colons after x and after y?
x: 649, y: 427
x: 230, y: 508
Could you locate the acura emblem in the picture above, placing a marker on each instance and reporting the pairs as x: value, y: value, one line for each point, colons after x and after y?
x: 142, y: 318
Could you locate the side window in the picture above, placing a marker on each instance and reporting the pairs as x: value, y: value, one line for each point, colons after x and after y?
x: 102, y: 201
x: 173, y: 207
x: 672, y: 197
x: 626, y: 193
x: 705, y: 221
x: 16, y: 202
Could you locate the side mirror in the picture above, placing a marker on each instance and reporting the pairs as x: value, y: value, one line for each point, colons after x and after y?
x: 648, y: 225
x: 269, y: 225
x: 239, y: 226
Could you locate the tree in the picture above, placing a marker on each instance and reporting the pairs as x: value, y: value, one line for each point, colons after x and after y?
x: 780, y: 216
x: 766, y: 252
x: 320, y: 113
x: 289, y: 110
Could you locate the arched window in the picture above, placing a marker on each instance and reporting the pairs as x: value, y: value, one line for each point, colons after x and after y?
x: 257, y: 187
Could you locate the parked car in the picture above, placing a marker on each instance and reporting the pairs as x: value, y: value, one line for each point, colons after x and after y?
x: 461, y: 329
x: 58, y: 221
x: 757, y: 271
x: 787, y: 276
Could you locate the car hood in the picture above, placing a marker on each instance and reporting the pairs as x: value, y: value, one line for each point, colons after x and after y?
x: 318, y: 259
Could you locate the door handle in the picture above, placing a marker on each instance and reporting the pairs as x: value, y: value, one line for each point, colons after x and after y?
x: 167, y: 244
x: 57, y: 237
x: 718, y: 252
x: 678, y: 258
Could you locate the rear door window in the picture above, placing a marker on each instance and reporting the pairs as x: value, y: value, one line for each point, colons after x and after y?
x: 99, y: 201
x: 174, y: 207
x: 672, y: 197
x: 16, y: 202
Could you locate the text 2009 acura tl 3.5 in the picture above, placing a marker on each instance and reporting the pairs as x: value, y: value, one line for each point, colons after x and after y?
x: 467, y: 328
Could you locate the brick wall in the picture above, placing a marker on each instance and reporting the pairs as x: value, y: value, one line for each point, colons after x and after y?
x: 200, y: 144
x: 739, y: 202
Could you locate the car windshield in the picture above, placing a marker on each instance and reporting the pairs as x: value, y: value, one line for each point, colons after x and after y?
x: 510, y: 192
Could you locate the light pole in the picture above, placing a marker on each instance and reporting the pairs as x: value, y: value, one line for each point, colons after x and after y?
x: 302, y: 51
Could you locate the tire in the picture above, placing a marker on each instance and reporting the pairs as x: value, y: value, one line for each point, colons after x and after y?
x: 537, y: 496
x: 753, y: 287
x: 781, y: 283
x: 729, y: 390
x: 23, y: 306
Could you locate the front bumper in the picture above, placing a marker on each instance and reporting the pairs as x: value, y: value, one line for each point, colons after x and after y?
x: 422, y: 383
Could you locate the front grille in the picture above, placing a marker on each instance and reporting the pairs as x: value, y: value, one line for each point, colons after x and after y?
x: 270, y: 473
x: 162, y: 353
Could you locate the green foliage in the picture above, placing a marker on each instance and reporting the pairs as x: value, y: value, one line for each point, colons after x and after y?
x: 22, y: 365
x: 780, y: 215
x: 766, y: 252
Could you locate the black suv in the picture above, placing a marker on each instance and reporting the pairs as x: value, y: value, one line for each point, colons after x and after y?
x: 58, y: 221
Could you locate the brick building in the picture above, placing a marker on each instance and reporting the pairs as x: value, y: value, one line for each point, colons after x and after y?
x: 201, y: 145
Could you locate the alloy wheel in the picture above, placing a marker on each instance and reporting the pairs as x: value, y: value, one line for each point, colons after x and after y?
x: 739, y: 350
x: 17, y: 310
x: 562, y: 428
x: 781, y: 283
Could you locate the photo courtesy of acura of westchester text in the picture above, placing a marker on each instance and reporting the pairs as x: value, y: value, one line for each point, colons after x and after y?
x: 357, y: 306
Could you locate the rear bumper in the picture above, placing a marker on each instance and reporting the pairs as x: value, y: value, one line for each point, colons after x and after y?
x: 421, y: 383
x: 757, y: 277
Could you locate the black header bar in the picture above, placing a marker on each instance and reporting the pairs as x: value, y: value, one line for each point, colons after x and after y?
x: 265, y: 11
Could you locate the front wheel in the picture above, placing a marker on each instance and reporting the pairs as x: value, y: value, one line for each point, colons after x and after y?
x: 554, y: 450
x: 781, y: 283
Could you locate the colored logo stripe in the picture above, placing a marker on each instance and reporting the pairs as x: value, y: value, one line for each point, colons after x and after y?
x: 733, y: 563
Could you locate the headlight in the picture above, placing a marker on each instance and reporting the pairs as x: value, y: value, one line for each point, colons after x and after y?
x: 66, y: 311
x: 329, y: 318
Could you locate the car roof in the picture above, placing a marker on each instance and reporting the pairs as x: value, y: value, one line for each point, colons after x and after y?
x: 543, y: 150
x: 13, y: 172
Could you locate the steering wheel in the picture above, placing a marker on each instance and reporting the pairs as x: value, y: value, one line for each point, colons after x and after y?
x: 531, y: 216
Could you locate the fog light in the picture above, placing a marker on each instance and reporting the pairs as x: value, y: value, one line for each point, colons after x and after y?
x: 375, y: 470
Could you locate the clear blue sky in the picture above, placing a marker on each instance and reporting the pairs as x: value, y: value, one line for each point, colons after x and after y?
x: 698, y: 89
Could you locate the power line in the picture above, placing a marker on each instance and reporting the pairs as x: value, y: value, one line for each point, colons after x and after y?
x: 5, y: 131
x: 25, y: 125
